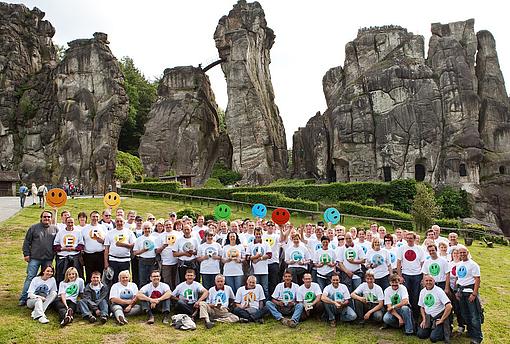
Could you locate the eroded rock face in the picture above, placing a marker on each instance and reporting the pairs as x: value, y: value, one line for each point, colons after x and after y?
x: 252, y: 118
x: 181, y: 133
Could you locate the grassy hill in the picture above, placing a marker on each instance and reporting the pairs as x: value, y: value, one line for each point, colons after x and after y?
x: 17, y: 327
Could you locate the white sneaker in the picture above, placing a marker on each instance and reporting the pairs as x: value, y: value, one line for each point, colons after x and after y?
x: 43, y: 320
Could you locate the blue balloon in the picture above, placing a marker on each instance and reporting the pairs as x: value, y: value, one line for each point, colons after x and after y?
x: 332, y: 215
x: 259, y: 210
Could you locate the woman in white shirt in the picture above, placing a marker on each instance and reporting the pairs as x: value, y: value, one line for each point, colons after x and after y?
x: 41, y: 293
x: 233, y: 255
x: 69, y: 290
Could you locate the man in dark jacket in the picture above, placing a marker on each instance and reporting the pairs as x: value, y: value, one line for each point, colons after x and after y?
x: 94, y: 302
x: 38, y: 250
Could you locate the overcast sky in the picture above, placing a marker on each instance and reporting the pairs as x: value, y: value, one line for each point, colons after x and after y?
x: 310, y: 36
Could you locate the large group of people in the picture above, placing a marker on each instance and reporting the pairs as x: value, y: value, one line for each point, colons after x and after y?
x: 115, y: 265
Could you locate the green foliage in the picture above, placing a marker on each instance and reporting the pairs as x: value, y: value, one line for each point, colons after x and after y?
x: 424, y: 208
x: 142, y: 94
x: 170, y: 173
x: 275, y: 199
x: 128, y: 167
x: 369, y: 201
x: 151, y: 179
x: 60, y: 51
x: 213, y: 183
x: 401, y: 194
x: 190, y: 212
x: 449, y: 223
x: 27, y: 107
x: 225, y: 175
x: 221, y: 121
x: 454, y: 203
x: 285, y: 182
x: 387, y: 206
x: 355, y: 208
x: 155, y: 186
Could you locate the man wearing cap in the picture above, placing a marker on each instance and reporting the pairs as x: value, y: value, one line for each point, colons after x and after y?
x: 172, y: 216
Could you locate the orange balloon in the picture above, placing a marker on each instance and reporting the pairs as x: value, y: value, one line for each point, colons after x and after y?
x: 56, y: 198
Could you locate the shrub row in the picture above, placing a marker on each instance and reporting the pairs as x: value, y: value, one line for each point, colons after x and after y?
x: 355, y: 208
x: 155, y: 186
x: 275, y: 199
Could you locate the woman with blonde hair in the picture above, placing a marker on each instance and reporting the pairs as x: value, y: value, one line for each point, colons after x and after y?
x: 69, y: 290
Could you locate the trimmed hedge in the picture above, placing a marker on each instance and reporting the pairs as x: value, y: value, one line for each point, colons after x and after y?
x: 275, y: 199
x: 354, y: 208
x: 155, y: 186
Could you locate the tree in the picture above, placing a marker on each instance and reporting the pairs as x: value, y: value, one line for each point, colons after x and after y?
x: 142, y: 94
x: 424, y: 208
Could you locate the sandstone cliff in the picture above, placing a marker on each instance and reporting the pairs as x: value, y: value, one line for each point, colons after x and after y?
x: 253, y: 122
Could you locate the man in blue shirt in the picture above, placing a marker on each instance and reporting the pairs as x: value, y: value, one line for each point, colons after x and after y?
x: 23, y: 192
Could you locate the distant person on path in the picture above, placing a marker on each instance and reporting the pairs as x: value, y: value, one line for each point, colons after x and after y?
x: 38, y: 250
x: 23, y: 193
x: 34, y: 194
x: 41, y: 193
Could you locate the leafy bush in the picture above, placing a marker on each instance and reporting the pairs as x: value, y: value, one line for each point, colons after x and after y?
x: 190, y: 212
x: 225, y: 175
x: 401, y: 193
x: 284, y: 182
x: 155, y: 186
x: 275, y: 199
x: 128, y: 167
x: 369, y: 201
x: 454, y: 203
x: 151, y: 179
x: 449, y: 223
x: 355, y: 208
x: 123, y: 173
x: 387, y: 206
x: 424, y: 208
x: 213, y: 183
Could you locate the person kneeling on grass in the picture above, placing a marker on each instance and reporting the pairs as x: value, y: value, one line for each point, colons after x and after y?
x: 188, y: 295
x: 123, y: 298
x: 249, y: 302
x: 309, y: 294
x: 368, y: 299
x: 435, y: 309
x: 398, y: 311
x: 155, y: 296
x: 68, y: 291
x: 284, y: 301
x: 41, y: 293
x: 94, y: 302
x: 336, y: 300
x: 216, y: 308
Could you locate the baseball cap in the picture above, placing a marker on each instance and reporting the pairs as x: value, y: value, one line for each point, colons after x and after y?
x: 172, y: 213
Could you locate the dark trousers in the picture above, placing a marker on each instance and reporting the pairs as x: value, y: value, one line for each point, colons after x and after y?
x: 273, y: 270
x: 93, y: 262
x: 435, y: 333
x: 383, y: 282
x: 182, y: 270
x: 472, y: 315
x: 208, y: 280
x: 413, y: 285
x: 169, y: 275
x: 64, y: 263
x: 62, y: 309
x: 182, y: 307
x: 251, y: 314
x: 297, y: 275
x: 117, y: 268
x: 135, y: 275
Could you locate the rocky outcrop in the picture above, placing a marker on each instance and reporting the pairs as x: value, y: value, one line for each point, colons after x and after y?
x: 182, y: 133
x: 254, y: 126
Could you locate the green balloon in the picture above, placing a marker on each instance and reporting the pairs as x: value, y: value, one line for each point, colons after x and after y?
x: 222, y: 212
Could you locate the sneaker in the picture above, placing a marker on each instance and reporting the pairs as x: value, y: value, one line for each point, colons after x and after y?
x: 244, y: 320
x: 284, y: 321
x: 460, y: 330
x: 209, y: 325
x: 103, y: 319
x: 92, y: 319
x: 292, y: 324
x: 260, y: 321
x: 332, y: 323
x: 150, y: 320
x: 69, y: 312
x: 22, y: 303
x: 43, y: 320
x: 65, y: 321
x: 384, y: 327
x: 165, y: 319
x: 121, y: 320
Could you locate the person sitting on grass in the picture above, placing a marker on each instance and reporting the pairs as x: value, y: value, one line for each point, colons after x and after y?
x: 284, y: 302
x: 398, y: 311
x: 188, y: 295
x: 368, y: 299
x: 249, y: 302
x: 69, y: 290
x: 123, y: 298
x: 309, y: 294
x: 336, y: 300
x: 41, y: 293
x: 435, y: 311
x: 155, y: 296
x: 94, y: 302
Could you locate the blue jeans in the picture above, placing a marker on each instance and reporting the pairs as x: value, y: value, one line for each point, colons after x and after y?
x: 275, y: 311
x: 32, y: 270
x: 323, y: 282
x: 144, y: 272
x: 86, y: 309
x: 435, y: 333
x: 413, y: 285
x: 234, y: 282
x: 208, y: 280
x: 406, y: 314
x: 347, y: 314
x: 471, y: 313
x: 163, y: 306
x: 263, y: 280
x: 362, y: 308
x: 251, y: 314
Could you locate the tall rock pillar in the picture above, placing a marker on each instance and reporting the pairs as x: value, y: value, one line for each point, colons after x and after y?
x: 252, y: 118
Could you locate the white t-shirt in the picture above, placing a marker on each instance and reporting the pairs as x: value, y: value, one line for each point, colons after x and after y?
x: 466, y: 273
x: 209, y: 265
x: 308, y: 295
x: 154, y: 292
x: 411, y: 258
x: 233, y: 268
x: 124, y: 292
x: 90, y: 234
x: 393, y: 297
x: 66, y: 238
x: 373, y: 295
x: 117, y: 253
x: 392, y: 252
x: 273, y: 240
x: 285, y: 294
x: 108, y: 225
x: 167, y: 255
x: 71, y: 289
x: 220, y: 296
x: 441, y: 239
x: 433, y: 301
x: 379, y: 262
x: 189, y: 293
x: 296, y: 254
x: 197, y: 230
x: 246, y: 238
x: 260, y: 267
x: 186, y: 244
x: 40, y: 287
x: 344, y: 253
x: 341, y: 293
x: 250, y: 296
x: 436, y: 268
x: 146, y: 242
x: 365, y: 245
x: 325, y: 257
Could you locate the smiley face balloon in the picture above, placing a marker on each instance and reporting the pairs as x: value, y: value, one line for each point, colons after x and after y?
x: 280, y: 216
x: 259, y: 210
x: 332, y: 215
x: 56, y: 198
x: 111, y: 200
x: 222, y: 212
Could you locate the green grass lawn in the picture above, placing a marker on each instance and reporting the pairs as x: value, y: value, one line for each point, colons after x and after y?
x: 16, y: 325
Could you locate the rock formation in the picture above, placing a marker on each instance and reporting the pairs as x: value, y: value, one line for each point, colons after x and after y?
x: 392, y: 113
x: 59, y: 120
x: 182, y: 132
x: 252, y: 119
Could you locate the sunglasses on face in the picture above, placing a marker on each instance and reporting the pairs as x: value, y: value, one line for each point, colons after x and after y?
x: 152, y: 218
